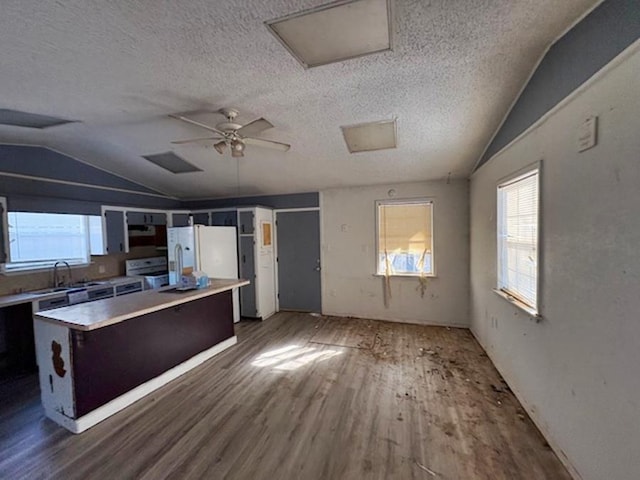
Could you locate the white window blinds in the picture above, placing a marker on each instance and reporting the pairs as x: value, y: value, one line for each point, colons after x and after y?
x: 518, y: 238
x: 405, y: 238
x: 38, y: 240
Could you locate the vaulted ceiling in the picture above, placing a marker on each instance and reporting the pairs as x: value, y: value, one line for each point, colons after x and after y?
x: 120, y: 67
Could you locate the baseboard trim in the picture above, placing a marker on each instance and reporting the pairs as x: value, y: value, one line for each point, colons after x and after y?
x: 410, y: 321
x: 573, y: 471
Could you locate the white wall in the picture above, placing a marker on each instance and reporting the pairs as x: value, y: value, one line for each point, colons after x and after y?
x: 349, y: 259
x: 577, y: 372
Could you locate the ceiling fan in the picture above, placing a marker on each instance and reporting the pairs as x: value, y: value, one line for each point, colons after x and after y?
x: 234, y: 135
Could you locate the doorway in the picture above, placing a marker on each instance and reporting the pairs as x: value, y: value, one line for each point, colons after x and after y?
x: 298, y: 260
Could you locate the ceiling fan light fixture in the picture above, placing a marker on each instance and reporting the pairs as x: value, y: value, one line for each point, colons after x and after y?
x: 220, y: 147
x: 236, y: 153
x: 237, y: 146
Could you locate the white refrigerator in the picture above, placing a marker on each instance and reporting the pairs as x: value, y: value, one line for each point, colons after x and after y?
x: 212, y: 250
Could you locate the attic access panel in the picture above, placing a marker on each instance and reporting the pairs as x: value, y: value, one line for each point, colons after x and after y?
x: 172, y: 162
x: 335, y: 32
x: 369, y: 137
x: 17, y: 118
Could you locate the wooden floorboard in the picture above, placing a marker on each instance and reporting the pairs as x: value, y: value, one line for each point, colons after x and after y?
x: 399, y: 402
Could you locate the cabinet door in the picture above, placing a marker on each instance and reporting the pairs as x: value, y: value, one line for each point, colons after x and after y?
x: 248, y: 272
x: 156, y: 218
x: 246, y: 222
x: 227, y: 218
x: 3, y: 226
x: 180, y: 219
x: 201, y: 218
x: 115, y: 231
x: 136, y: 218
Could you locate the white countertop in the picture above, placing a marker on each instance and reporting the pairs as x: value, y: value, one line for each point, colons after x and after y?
x: 101, y: 313
x: 27, y: 297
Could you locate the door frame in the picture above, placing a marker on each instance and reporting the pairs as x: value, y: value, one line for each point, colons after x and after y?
x: 275, y: 241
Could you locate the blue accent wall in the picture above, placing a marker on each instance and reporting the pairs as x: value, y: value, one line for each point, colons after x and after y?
x: 293, y: 200
x: 572, y: 60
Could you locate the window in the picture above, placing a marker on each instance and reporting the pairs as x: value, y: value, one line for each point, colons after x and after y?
x: 518, y: 238
x: 38, y: 240
x: 405, y: 238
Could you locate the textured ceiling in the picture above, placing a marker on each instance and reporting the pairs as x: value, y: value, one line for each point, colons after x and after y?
x: 119, y: 67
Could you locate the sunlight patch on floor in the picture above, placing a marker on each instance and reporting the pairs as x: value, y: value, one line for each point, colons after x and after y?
x: 292, y: 357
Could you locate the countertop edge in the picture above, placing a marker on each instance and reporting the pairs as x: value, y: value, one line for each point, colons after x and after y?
x: 171, y: 299
x: 29, y: 297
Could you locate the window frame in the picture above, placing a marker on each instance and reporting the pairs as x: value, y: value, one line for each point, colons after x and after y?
x: 532, y: 310
x: 44, y: 265
x: 406, y: 201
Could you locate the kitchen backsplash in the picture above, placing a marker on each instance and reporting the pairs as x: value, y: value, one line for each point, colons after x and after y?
x: 113, y: 267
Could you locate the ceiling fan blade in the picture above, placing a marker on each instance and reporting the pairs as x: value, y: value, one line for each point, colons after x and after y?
x: 197, y: 124
x: 255, y: 127
x: 180, y: 142
x: 259, y: 142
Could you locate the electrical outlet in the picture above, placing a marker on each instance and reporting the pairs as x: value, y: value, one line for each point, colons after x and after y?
x: 101, y: 269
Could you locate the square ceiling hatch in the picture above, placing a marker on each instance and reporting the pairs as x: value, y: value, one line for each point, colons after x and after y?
x: 17, y: 118
x: 368, y: 137
x: 172, y: 162
x: 335, y: 32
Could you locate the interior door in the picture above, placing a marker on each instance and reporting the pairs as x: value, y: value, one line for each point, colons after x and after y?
x: 248, y: 307
x: 298, y: 243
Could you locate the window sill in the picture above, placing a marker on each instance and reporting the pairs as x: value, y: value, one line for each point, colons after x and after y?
x: 532, y: 312
x: 27, y: 271
x: 400, y: 275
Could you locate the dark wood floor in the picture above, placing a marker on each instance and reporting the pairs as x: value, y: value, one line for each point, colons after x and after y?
x: 300, y: 397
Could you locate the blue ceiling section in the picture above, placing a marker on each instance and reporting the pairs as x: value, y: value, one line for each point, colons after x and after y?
x: 42, y: 162
x: 602, y: 35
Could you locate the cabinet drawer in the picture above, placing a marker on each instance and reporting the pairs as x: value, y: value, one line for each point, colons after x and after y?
x: 128, y: 288
x: 53, y: 303
x: 101, y: 293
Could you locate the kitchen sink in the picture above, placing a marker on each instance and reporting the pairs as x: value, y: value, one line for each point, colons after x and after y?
x: 87, y: 284
x: 74, y: 286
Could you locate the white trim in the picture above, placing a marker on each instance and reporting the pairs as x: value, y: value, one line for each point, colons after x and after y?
x: 621, y: 57
x: 276, y: 256
x: 531, y: 410
x: 87, y: 421
x: 5, y: 231
x: 526, y: 83
x: 518, y: 303
x: 85, y: 185
x: 321, y: 233
x: 301, y: 209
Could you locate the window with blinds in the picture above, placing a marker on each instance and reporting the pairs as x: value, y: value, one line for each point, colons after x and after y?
x: 38, y: 240
x: 518, y: 238
x: 405, y: 238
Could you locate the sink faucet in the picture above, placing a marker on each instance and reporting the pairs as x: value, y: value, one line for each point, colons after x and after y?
x: 56, y: 282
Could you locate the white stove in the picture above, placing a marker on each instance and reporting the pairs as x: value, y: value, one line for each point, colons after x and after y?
x: 154, y: 271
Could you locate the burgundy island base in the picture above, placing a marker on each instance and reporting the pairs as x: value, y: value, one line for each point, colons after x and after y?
x: 94, y: 359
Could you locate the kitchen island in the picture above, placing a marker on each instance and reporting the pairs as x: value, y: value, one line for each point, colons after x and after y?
x: 94, y: 359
